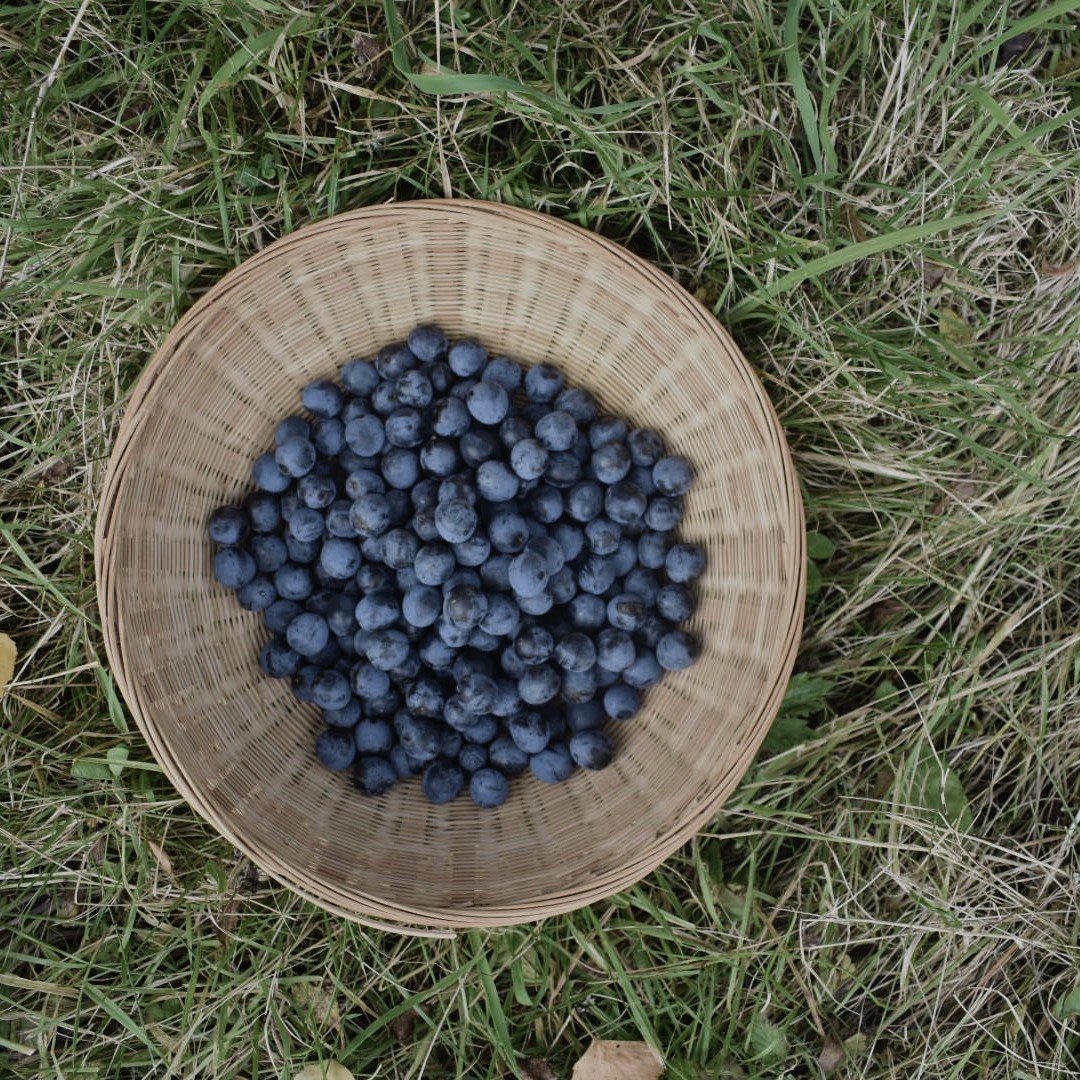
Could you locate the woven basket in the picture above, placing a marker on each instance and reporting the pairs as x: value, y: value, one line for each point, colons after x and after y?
x: 238, y: 746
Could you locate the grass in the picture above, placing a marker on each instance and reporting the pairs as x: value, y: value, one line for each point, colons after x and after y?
x: 883, y: 203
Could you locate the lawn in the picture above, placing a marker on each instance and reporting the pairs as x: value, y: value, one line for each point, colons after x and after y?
x: 881, y: 201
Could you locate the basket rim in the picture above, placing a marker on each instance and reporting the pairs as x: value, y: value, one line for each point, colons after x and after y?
x: 376, y: 911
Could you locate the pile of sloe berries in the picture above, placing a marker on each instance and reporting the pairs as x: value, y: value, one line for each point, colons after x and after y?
x: 465, y: 565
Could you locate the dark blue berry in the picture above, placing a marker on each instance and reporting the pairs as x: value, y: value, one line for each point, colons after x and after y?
x: 269, y: 552
x: 580, y: 404
x: 621, y: 701
x: 329, y: 437
x: 685, y: 562
x: 563, y: 470
x: 673, y: 475
x: 394, y: 360
x: 405, y: 427
x: 228, y: 525
x: 514, y: 429
x: 316, y: 492
x: 545, y: 504
x: 543, y: 382
x: 439, y: 457
x: 556, y: 431
x: 531, y: 731
x: 467, y: 358
x: 645, y: 446
x: 472, y: 756
x: 366, y: 435
x: 504, y: 372
x: 339, y: 559
x: 456, y: 520
x: 507, y: 756
x: 378, y: 610
x: 676, y: 650
x: 295, y: 457
x: 488, y: 403
x: 464, y: 606
x: 359, y: 377
x: 348, y: 717
x: 268, y: 475
x: 330, y: 690
x: 535, y: 644
x: 553, y: 765
x: 323, y: 398
x: 539, y: 685
x: 488, y: 788
x: 585, y: 715
x: 374, y: 775
x: 596, y: 574
x: 653, y: 548
x: 606, y: 429
x: 528, y: 573
x: 293, y: 582
x: 443, y: 782
x: 292, y: 427
x: 308, y: 634
x: 388, y: 649
x: 602, y: 536
x: 474, y: 551
x: 427, y: 342
x: 625, y: 502
x: 614, y: 650
x: 529, y: 459
x: 451, y: 418
x: 575, y: 652
x: 434, y: 564
x: 234, y: 567
x: 335, y: 748
x: 257, y: 594
x: 675, y: 602
x: 373, y: 737
x: 626, y: 611
x: 588, y: 611
x: 401, y: 467
x: 263, y: 511
x: 477, y: 446
x: 591, y: 749
x: 420, y: 735
x: 277, y: 660
x: 307, y: 525
x: 422, y: 605
x: 644, y: 672
x: 611, y: 462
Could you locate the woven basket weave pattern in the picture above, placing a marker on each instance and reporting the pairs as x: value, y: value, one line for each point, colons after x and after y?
x: 239, y: 747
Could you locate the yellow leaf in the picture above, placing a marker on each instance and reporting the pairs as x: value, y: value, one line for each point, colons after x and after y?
x: 328, y: 1070
x: 612, y: 1059
x: 953, y: 327
x: 7, y: 661
x: 313, y: 998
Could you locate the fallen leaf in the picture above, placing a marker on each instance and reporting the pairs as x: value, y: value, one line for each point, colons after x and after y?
x: 328, y: 1070
x: 314, y: 998
x: 7, y: 661
x: 537, y: 1069
x: 226, y: 922
x: 1049, y: 269
x: 954, y: 327
x: 163, y: 859
x: 401, y: 1027
x: 370, y: 54
x: 831, y: 1057
x: 613, y: 1059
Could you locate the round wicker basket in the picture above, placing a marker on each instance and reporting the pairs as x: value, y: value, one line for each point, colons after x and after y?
x: 237, y: 745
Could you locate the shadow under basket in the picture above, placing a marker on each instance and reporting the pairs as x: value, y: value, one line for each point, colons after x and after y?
x: 239, y: 747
